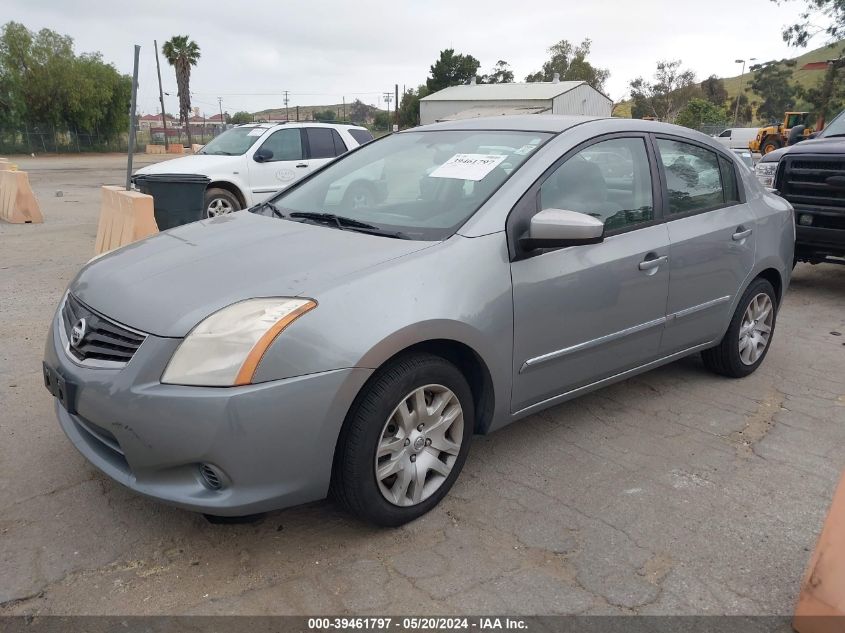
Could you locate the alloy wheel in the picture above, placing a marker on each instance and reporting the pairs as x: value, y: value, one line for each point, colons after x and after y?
x: 418, y: 445
x: 218, y: 206
x: 756, y: 328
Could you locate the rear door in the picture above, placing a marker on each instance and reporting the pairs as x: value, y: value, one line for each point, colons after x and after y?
x: 322, y: 144
x: 712, y: 241
x: 286, y: 165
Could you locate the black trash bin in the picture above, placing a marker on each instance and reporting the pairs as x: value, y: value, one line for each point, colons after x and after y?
x: 177, y: 198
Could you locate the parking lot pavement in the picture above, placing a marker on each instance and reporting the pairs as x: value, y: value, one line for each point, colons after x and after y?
x: 674, y: 492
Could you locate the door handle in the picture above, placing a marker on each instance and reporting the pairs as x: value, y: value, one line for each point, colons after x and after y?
x: 302, y: 165
x: 650, y: 264
x: 741, y: 234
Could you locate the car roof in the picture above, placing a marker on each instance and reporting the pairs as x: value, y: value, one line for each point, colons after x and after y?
x: 554, y: 123
x: 271, y: 124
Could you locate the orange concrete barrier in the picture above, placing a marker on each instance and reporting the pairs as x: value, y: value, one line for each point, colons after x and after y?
x: 156, y: 149
x: 17, y: 202
x: 821, y: 602
x: 175, y: 148
x: 125, y: 217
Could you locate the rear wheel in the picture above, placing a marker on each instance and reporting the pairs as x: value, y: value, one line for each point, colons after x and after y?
x: 746, y: 343
x: 405, y: 441
x: 220, y: 202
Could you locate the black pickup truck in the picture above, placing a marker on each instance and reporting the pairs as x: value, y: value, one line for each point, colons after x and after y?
x: 811, y: 176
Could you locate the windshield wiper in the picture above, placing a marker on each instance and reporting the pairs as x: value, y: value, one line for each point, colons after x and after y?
x: 269, y: 205
x: 349, y: 224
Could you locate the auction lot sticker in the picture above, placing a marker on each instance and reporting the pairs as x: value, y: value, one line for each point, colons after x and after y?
x: 468, y: 166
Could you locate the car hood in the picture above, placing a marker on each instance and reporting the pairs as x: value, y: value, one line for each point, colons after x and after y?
x: 834, y: 145
x: 167, y: 283
x: 197, y: 164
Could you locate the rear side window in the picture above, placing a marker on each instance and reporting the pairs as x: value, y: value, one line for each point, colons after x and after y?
x: 693, y: 177
x: 321, y: 142
x: 362, y: 136
x: 339, y: 145
x: 729, y: 182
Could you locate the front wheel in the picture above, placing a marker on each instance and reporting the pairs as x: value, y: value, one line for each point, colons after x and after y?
x: 405, y: 440
x: 746, y: 343
x: 770, y: 144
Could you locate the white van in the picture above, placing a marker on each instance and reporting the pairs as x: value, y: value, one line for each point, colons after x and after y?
x: 737, y: 137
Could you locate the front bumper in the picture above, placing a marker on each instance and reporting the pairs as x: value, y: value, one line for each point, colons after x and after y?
x: 821, y: 239
x: 273, y: 442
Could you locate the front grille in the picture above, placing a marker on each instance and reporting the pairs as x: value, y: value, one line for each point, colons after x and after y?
x: 103, y: 340
x: 801, y: 180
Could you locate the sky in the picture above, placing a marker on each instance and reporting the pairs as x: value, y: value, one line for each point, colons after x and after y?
x: 322, y: 51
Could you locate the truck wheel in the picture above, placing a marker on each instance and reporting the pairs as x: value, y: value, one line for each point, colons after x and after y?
x: 404, y: 441
x: 220, y: 202
x: 749, y: 335
x: 770, y: 144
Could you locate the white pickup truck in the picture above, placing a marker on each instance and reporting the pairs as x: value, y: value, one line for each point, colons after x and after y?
x: 248, y: 163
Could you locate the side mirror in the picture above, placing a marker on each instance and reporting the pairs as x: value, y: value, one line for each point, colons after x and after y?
x: 556, y: 228
x: 262, y: 155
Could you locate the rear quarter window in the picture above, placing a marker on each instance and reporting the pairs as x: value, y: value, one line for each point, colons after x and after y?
x: 362, y: 136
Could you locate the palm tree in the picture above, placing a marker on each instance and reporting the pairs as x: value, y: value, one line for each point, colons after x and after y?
x: 182, y: 53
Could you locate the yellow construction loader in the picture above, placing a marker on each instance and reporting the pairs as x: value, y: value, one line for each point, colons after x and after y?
x: 774, y: 137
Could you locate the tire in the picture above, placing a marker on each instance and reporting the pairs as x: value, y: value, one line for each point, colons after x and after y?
x: 770, y: 144
x: 219, y: 202
x: 729, y: 357
x: 375, y: 422
x: 359, y: 195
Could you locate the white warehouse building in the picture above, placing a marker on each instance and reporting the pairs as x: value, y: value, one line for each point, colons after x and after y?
x: 477, y: 100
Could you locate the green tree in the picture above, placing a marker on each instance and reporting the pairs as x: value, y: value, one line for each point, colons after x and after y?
x: 239, y: 118
x: 773, y: 82
x: 325, y: 115
x: 800, y: 34
x: 381, y: 121
x: 714, y: 90
x: 570, y: 63
x: 746, y: 109
x: 664, y: 97
x: 182, y: 53
x: 500, y: 74
x: 359, y: 112
x: 451, y: 70
x: 409, y: 106
x: 43, y: 81
x: 698, y: 112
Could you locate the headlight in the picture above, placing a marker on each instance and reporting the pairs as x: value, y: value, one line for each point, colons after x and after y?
x: 766, y: 173
x: 224, y: 349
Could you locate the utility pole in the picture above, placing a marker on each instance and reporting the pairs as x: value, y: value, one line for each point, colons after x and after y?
x: 396, y: 108
x: 161, y: 96
x: 222, y: 120
x: 344, y: 108
x: 741, y: 87
x: 388, y: 97
x: 287, y: 118
x: 297, y: 114
x: 132, y: 119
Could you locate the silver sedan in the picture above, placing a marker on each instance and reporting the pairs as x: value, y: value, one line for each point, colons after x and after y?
x: 496, y: 267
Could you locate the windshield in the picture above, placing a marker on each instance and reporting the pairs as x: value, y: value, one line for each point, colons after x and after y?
x: 233, y: 142
x: 835, y: 127
x: 424, y: 185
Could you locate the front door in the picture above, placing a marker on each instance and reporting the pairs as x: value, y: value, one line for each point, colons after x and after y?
x: 711, y: 232
x: 588, y: 312
x: 285, y: 165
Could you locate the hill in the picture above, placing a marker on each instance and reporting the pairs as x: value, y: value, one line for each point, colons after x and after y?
x: 306, y: 113
x: 733, y: 85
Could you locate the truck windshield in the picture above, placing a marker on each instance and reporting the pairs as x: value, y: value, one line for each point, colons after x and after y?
x: 424, y: 185
x: 233, y: 142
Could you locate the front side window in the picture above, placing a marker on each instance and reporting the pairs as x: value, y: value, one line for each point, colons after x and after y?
x: 285, y: 145
x: 422, y: 184
x: 725, y: 134
x: 610, y: 180
x: 693, y: 177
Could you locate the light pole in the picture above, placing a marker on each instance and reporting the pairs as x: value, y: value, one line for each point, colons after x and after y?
x: 741, y: 86
x: 388, y: 97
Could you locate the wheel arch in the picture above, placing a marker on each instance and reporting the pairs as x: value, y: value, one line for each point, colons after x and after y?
x: 231, y: 188
x: 773, y: 277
